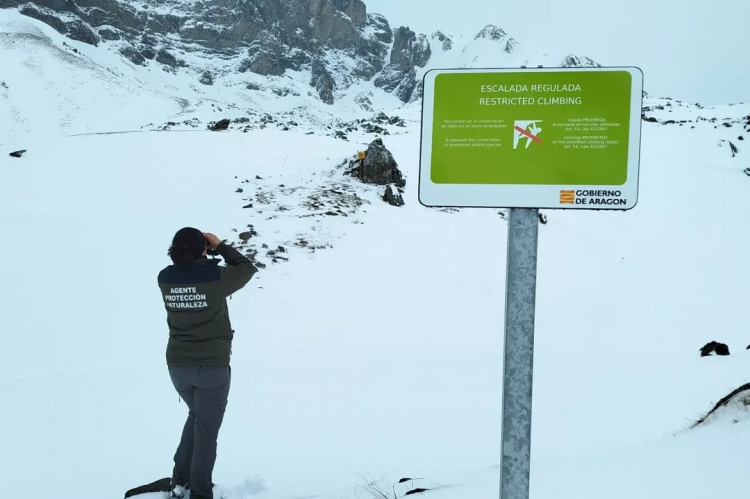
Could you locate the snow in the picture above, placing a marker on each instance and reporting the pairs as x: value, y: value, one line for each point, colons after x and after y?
x: 379, y: 355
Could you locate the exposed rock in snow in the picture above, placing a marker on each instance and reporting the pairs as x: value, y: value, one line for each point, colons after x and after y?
x: 67, y: 23
x: 378, y: 166
x: 393, y: 195
x: 494, y: 34
x: 714, y: 347
x: 330, y: 45
x: 574, y: 61
x: 734, y: 407
x: 447, y: 42
x: 220, y: 125
x: 266, y: 37
x: 409, y: 52
x: 491, y: 32
x: 207, y: 78
x: 322, y: 80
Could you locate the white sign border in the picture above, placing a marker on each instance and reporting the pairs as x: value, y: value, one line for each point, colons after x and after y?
x: 434, y: 195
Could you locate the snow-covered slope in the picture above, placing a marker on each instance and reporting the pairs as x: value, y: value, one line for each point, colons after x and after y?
x: 369, y: 347
x: 99, y: 83
x: 102, y: 92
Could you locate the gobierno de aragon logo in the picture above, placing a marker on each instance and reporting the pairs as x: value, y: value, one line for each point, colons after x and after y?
x: 595, y: 197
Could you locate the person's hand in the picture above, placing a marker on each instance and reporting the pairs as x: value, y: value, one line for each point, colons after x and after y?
x: 212, y: 240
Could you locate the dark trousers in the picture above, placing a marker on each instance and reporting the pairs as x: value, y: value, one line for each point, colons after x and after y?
x: 205, y: 391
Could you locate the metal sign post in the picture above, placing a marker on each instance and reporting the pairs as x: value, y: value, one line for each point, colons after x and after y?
x: 527, y: 139
x: 518, y: 362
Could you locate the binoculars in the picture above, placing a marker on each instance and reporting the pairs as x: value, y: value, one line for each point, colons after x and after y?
x: 209, y: 250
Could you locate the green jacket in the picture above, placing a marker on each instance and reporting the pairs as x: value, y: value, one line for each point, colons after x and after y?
x: 200, y: 333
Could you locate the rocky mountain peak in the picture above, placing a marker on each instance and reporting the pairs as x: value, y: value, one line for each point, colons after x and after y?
x: 491, y: 32
x: 337, y: 42
x: 575, y: 61
x: 495, y: 34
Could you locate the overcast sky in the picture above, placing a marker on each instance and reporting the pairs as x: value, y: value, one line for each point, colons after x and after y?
x: 691, y: 50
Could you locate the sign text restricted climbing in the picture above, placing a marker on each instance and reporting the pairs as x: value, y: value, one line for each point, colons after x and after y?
x: 536, y: 138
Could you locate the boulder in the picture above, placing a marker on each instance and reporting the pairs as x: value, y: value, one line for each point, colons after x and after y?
x: 714, y: 347
x: 207, y: 78
x: 378, y: 167
x: 220, y: 125
x: 393, y: 195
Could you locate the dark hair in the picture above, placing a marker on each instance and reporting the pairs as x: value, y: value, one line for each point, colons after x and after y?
x: 180, y: 255
x: 188, y: 244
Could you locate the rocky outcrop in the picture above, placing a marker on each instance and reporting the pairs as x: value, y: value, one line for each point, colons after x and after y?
x: 337, y: 41
x: 266, y: 37
x: 409, y: 52
x: 445, y: 40
x: 737, y: 400
x: 393, y: 195
x: 68, y: 23
x: 322, y: 80
x: 714, y: 347
x: 574, y: 61
x: 491, y: 32
x: 378, y: 166
x: 219, y: 125
x: 495, y: 34
x: 207, y: 78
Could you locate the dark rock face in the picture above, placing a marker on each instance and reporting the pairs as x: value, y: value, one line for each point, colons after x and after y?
x: 71, y: 26
x: 219, y: 126
x: 322, y: 80
x: 266, y: 37
x: 379, y: 167
x: 164, y: 57
x: 338, y: 41
x: 409, y: 52
x: 409, y: 49
x: 133, y: 55
x: 207, y: 78
x: 393, y: 195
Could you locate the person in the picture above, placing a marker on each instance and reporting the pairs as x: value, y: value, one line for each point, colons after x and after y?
x: 194, y: 289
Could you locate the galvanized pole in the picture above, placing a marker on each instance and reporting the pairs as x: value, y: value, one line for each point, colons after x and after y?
x: 518, y: 365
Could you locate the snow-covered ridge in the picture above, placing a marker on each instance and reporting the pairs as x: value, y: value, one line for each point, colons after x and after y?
x: 328, y: 45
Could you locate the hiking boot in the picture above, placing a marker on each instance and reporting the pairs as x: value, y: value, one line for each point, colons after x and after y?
x: 177, y: 492
x: 193, y: 495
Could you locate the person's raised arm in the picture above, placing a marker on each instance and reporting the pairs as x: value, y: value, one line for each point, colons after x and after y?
x: 238, y: 270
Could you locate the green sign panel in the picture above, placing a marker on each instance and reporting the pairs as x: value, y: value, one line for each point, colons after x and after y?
x: 527, y: 137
